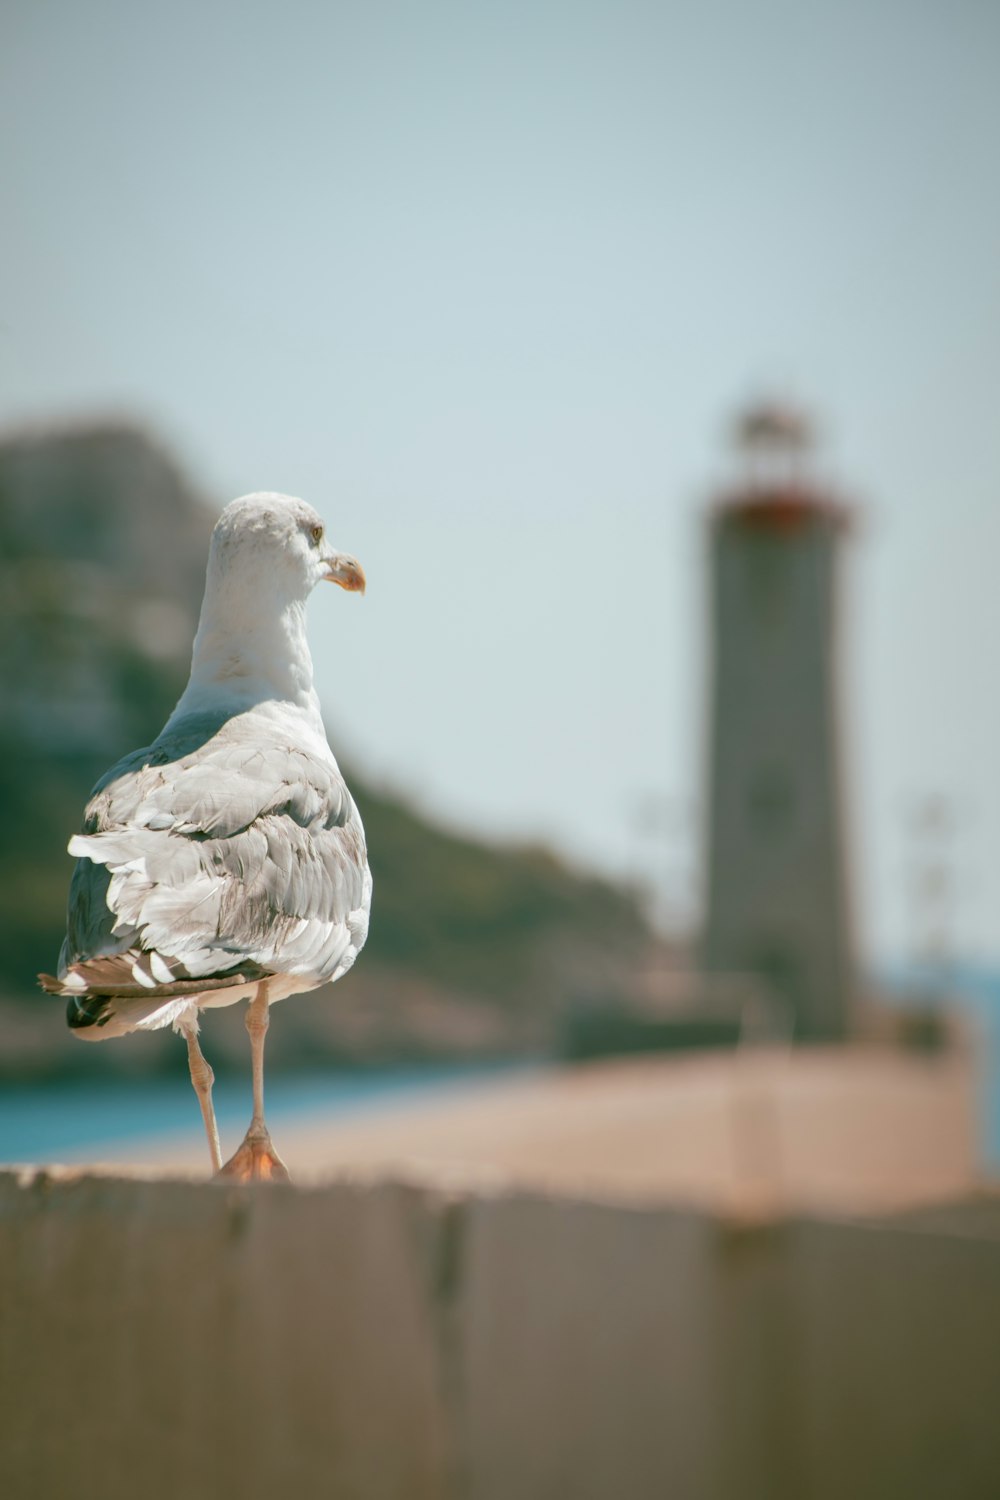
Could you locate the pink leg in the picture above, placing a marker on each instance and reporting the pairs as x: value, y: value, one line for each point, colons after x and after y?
x: 256, y: 1160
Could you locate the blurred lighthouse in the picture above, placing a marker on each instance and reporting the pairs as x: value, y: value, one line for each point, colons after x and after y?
x: 778, y: 908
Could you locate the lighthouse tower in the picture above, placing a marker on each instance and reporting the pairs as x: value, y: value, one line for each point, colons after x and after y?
x: 777, y: 906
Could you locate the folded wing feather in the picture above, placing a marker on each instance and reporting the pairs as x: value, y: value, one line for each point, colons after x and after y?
x: 216, y: 854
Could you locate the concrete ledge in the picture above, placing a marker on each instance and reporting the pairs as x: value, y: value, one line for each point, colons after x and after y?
x: 170, y: 1339
x: 174, y: 1339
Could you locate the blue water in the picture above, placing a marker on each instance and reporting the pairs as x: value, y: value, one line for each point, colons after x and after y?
x: 975, y: 993
x: 71, y: 1122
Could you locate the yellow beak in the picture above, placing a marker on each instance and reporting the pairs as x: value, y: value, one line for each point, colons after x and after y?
x: 345, y: 571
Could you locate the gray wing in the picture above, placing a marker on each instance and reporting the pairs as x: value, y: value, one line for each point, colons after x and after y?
x: 217, y: 853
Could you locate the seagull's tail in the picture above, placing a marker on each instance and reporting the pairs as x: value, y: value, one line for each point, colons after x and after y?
x: 101, y: 1016
x: 95, y: 1018
x: 96, y: 1011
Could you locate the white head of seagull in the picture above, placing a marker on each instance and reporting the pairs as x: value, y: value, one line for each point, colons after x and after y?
x: 267, y: 554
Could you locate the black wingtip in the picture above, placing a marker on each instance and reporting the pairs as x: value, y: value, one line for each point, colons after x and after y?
x: 83, y: 1011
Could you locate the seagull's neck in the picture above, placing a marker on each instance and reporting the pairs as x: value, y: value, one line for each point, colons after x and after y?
x: 251, y: 649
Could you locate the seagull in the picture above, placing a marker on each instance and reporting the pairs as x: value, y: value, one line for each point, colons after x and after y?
x: 226, y: 861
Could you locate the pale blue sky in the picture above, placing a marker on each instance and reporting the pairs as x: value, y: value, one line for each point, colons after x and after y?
x: 484, y: 283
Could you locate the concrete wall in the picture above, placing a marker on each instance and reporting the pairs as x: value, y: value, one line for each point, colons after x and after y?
x: 366, y: 1343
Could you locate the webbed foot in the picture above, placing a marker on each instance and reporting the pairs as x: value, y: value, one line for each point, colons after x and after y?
x: 255, y: 1161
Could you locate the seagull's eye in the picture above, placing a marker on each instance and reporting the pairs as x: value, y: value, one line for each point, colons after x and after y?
x: 317, y: 534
